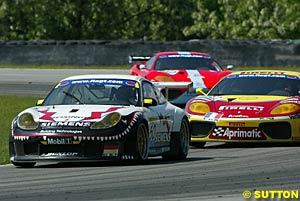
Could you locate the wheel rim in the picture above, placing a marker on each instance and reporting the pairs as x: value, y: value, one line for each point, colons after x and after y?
x: 142, y: 142
x: 184, y: 137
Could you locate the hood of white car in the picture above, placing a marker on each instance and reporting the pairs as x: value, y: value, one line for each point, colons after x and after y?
x: 89, y: 113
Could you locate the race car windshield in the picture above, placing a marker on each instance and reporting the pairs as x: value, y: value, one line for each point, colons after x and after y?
x: 95, y: 92
x: 178, y: 62
x: 275, y: 86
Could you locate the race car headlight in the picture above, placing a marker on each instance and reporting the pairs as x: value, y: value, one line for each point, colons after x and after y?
x: 163, y: 78
x: 198, y: 107
x: 26, y: 122
x: 285, y: 108
x: 108, y: 121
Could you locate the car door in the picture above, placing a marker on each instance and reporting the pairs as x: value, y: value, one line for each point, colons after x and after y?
x: 159, y: 115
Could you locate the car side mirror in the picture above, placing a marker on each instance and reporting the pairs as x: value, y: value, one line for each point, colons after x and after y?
x: 142, y: 66
x: 202, y: 91
x: 149, y: 102
x: 229, y: 67
x: 39, y: 102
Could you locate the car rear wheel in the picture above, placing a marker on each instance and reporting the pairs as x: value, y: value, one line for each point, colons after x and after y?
x: 179, y: 143
x: 142, y: 143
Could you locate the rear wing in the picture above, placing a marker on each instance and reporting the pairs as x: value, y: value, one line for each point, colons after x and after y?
x: 138, y: 58
x: 168, y: 85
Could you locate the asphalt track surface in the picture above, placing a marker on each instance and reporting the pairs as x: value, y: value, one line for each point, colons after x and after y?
x: 216, y: 172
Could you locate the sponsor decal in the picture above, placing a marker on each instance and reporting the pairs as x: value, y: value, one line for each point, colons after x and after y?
x: 295, y: 116
x: 241, y: 107
x: 263, y: 75
x: 47, y: 131
x: 110, y: 150
x: 291, y: 100
x: 60, y: 154
x: 165, y: 121
x: 212, y: 116
x: 263, y: 72
x: 94, y: 81
x: 237, y: 124
x: 65, y: 123
x: 183, y: 56
x: 130, y: 83
x: 59, y: 141
x: 236, y: 133
x: 69, y: 131
x: 160, y: 137
x: 61, y: 131
x: 237, y: 116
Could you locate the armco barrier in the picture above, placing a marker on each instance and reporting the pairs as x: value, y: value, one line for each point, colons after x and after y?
x: 105, y: 52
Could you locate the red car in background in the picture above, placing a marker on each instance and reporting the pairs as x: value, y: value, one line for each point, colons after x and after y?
x: 196, y: 67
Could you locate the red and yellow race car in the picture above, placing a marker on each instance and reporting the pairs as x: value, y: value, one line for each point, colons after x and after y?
x: 196, y: 67
x: 248, y: 106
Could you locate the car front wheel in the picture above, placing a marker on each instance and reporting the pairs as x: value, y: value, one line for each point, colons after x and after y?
x: 179, y: 143
x: 142, y: 143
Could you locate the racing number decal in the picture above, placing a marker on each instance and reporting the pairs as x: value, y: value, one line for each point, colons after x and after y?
x: 152, y: 129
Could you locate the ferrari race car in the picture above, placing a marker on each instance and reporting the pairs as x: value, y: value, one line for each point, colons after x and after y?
x: 196, y: 67
x: 100, y: 117
x: 248, y: 106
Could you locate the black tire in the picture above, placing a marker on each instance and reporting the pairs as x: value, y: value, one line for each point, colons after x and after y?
x: 23, y: 165
x: 142, y: 143
x: 198, y: 144
x: 179, y: 143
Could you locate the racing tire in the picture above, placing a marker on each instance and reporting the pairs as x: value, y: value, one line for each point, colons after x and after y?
x: 142, y: 143
x: 179, y: 143
x: 198, y: 144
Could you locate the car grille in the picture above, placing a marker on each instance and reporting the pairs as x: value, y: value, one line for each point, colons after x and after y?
x: 201, y: 129
x: 85, y: 149
x: 277, y: 130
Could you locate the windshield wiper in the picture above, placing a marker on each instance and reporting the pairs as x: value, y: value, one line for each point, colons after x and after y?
x: 72, y: 96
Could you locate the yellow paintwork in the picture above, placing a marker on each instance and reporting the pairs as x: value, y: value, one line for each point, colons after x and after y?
x: 254, y: 122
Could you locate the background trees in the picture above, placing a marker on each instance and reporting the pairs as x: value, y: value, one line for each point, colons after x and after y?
x: 163, y: 20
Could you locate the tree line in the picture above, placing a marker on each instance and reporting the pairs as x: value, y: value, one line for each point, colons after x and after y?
x: 159, y: 20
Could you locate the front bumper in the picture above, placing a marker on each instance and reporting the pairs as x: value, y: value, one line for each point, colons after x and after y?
x: 280, y: 129
x: 55, y: 148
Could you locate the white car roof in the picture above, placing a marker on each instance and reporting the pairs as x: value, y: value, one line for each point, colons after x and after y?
x: 105, y: 76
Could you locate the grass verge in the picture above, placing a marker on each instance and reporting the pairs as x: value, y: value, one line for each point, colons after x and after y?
x: 10, y: 106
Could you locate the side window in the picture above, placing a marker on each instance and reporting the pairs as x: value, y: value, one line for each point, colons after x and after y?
x: 150, y: 62
x: 148, y: 91
x: 151, y: 91
x: 160, y: 96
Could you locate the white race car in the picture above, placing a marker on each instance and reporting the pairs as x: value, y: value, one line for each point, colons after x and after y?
x: 100, y: 117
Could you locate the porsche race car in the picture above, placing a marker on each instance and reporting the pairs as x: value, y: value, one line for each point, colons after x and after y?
x: 196, y: 67
x: 100, y: 117
x: 248, y: 106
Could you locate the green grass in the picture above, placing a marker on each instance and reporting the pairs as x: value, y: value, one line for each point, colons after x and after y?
x: 10, y: 106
